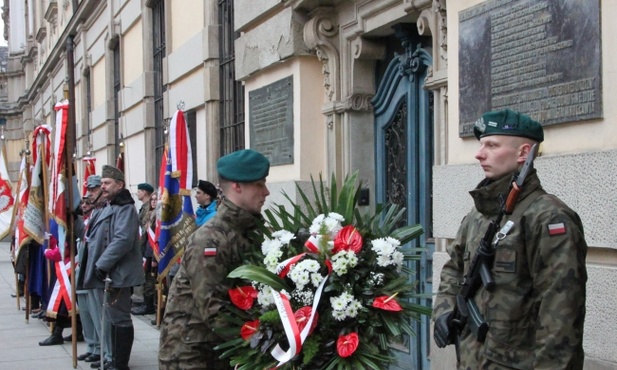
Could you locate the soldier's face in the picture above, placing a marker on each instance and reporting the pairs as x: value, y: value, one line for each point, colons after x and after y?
x: 201, y: 197
x: 252, y: 196
x: 93, y: 194
x: 498, y: 155
x: 110, y: 188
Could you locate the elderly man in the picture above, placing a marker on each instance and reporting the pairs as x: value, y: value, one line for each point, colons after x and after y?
x: 113, y: 252
x: 199, y: 289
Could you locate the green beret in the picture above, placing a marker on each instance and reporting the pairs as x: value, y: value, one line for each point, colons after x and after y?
x: 507, y: 122
x: 112, y: 172
x: 145, y: 186
x: 243, y: 166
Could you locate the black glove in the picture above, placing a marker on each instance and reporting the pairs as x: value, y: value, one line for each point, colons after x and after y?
x: 100, y: 274
x: 442, y: 333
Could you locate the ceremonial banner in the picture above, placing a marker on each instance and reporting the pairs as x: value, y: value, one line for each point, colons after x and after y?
x: 177, y: 216
x: 34, y: 214
x: 57, y: 209
x: 21, y: 196
x: 89, y: 170
x: 6, y: 195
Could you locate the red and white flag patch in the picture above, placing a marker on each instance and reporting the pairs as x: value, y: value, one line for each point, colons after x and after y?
x: 210, y: 252
x: 556, y: 229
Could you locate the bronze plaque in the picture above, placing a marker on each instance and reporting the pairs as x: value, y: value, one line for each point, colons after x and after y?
x: 538, y: 57
x: 271, y: 121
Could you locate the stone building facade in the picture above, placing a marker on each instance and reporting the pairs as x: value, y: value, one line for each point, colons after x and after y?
x: 354, y: 85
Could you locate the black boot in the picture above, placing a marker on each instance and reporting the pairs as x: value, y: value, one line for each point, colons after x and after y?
x: 122, y: 343
x: 145, y: 309
x: 54, y: 338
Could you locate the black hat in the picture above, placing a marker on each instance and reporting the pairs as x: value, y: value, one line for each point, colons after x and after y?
x: 208, y: 188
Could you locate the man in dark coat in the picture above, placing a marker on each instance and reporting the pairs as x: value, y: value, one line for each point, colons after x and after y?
x: 113, y: 252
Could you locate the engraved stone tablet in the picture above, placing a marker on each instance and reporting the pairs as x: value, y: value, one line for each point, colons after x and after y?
x: 539, y: 57
x: 271, y: 121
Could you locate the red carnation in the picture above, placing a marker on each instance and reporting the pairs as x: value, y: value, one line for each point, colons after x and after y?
x: 302, y: 317
x: 346, y: 345
x: 348, y: 239
x: 387, y: 303
x: 248, y: 329
x: 243, y: 297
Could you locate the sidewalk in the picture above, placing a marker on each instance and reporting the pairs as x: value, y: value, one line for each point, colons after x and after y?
x: 19, y: 341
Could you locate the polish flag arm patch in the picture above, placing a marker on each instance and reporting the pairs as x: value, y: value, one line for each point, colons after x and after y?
x: 209, y: 252
x: 556, y: 229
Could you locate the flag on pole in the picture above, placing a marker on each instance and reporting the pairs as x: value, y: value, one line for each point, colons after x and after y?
x: 154, y: 235
x: 177, y: 216
x: 34, y: 214
x: 23, y: 189
x: 6, y: 195
x: 57, y: 209
x: 89, y: 170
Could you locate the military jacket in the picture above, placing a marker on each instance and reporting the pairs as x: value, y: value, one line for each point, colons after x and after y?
x: 537, y: 309
x: 200, y: 287
x: 112, y: 245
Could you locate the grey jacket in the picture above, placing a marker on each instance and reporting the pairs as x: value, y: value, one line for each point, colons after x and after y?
x: 112, y: 241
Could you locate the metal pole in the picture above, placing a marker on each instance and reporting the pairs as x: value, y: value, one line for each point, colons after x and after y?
x: 69, y: 163
x: 105, y: 294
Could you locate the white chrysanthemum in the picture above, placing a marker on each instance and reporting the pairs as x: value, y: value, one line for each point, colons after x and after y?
x: 383, y: 260
x: 309, y: 265
x: 338, y: 303
x: 336, y: 216
x: 284, y: 236
x: 339, y: 315
x: 269, y: 245
x: 332, y: 225
x: 316, y: 279
x: 351, y: 312
x: 393, y: 241
x: 272, y: 259
x: 397, y: 259
x: 356, y: 304
x: 264, y: 296
x: 316, y: 225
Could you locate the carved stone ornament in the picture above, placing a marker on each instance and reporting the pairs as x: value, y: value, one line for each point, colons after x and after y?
x: 359, y: 102
x: 320, y: 33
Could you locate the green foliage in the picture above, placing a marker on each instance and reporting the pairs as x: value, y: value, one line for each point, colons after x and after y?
x: 376, y: 327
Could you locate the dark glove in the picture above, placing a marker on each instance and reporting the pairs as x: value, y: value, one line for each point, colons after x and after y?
x: 443, y: 334
x: 100, y: 274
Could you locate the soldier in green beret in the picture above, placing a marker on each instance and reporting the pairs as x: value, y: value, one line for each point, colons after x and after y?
x: 200, y: 288
x: 536, y: 311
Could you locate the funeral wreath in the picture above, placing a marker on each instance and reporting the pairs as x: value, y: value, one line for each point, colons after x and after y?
x: 330, y: 288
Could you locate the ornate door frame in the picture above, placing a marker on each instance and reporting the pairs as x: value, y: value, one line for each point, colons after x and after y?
x: 403, y: 169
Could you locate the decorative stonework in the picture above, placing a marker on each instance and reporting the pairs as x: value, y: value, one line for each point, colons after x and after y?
x: 358, y: 102
x: 320, y: 33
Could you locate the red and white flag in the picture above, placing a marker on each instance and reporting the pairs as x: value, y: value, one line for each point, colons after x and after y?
x: 89, y: 170
x: 6, y: 195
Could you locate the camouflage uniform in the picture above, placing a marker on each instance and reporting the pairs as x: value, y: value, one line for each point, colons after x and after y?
x: 199, y: 290
x: 537, y: 309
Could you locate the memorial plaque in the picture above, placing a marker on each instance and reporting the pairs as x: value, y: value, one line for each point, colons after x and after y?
x: 271, y: 121
x: 538, y: 57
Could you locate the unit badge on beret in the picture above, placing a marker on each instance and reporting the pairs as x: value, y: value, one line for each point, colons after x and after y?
x: 480, y: 125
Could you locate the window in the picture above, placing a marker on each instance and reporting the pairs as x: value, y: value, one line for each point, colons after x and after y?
x: 231, y: 91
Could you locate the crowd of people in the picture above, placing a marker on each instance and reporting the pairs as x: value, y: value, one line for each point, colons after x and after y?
x: 533, y: 311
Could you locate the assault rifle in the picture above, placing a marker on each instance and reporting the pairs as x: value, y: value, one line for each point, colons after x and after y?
x: 466, y: 312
